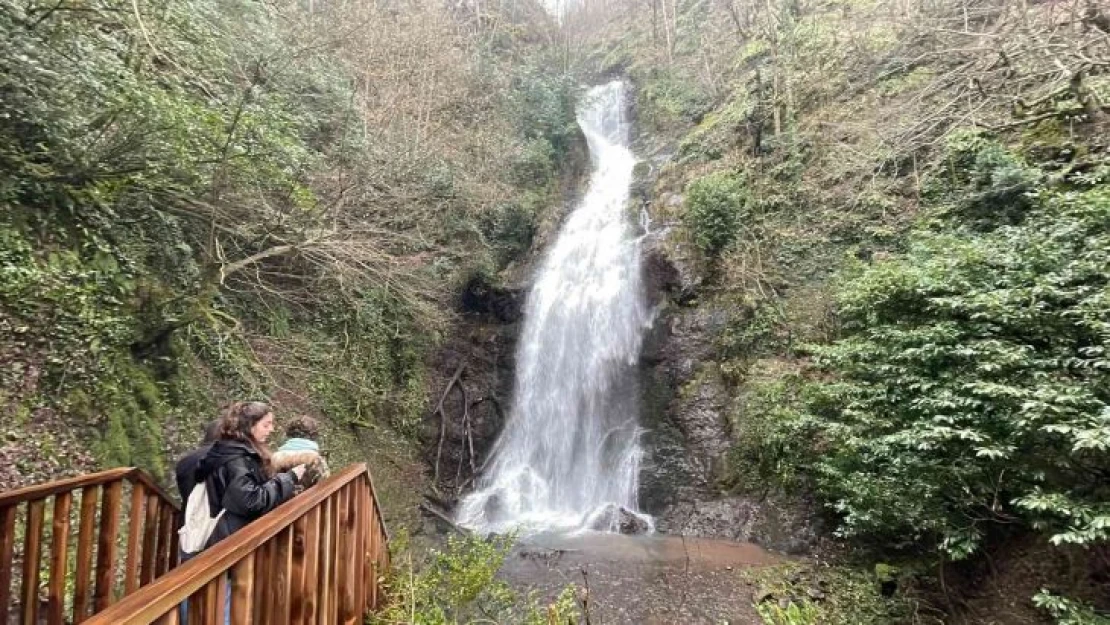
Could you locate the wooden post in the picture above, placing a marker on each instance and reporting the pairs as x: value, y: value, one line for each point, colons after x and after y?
x: 242, y: 591
x: 89, y: 497
x: 59, y: 560
x: 165, y: 529
x: 196, y: 605
x: 32, y: 552
x: 263, y: 581
x: 337, y: 541
x: 134, y: 537
x: 311, y: 565
x: 150, y: 541
x: 280, y: 568
x: 178, y: 518
x: 372, y: 556
x: 327, y: 557
x: 106, y: 545
x: 297, y: 572
x: 344, y: 581
x: 7, y: 548
x: 358, y: 553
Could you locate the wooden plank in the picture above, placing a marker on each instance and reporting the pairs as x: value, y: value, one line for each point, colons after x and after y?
x: 165, y: 529
x: 223, y: 584
x: 281, y: 567
x: 89, y: 497
x: 150, y: 541
x: 297, y: 571
x: 371, y: 560
x: 175, y: 545
x: 59, y: 560
x: 106, y: 545
x: 262, y: 579
x: 42, y: 491
x: 339, y: 536
x: 242, y: 592
x: 162, y: 594
x: 357, y: 558
x: 348, y: 613
x: 196, y: 613
x: 311, y: 565
x: 211, y: 602
x: 327, y: 558
x: 7, y: 549
x: 32, y: 553
x: 134, y: 538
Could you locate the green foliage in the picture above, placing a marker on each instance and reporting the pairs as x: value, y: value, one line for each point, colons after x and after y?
x: 972, y: 383
x: 836, y: 595
x: 666, y: 98
x: 378, y: 378
x: 1067, y: 611
x: 803, y: 613
x: 718, y: 132
x: 772, y: 433
x: 715, y: 210
x: 542, y: 106
x: 982, y: 183
x: 459, y: 585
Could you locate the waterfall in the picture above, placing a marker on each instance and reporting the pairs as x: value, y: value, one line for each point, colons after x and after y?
x: 569, y: 455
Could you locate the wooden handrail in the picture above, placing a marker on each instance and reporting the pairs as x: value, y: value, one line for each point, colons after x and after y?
x: 42, y: 491
x: 139, y: 536
x: 316, y: 558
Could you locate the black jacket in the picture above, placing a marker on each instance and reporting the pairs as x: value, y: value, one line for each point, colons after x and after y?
x: 237, y: 482
x: 185, y: 471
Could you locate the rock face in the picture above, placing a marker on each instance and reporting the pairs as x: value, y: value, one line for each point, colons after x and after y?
x: 472, y: 386
x: 687, y: 404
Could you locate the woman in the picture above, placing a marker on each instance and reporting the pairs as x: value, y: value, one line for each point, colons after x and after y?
x: 237, y: 470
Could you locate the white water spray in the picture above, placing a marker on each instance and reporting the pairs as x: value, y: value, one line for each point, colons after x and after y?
x: 569, y: 455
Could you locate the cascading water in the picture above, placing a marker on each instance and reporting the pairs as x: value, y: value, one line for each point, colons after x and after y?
x: 569, y: 456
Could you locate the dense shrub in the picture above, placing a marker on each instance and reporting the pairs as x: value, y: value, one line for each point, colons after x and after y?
x: 973, y: 383
x: 715, y: 209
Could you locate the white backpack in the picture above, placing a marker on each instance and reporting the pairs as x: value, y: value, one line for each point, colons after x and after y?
x: 198, y: 524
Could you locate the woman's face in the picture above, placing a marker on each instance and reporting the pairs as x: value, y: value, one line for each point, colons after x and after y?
x: 261, y: 430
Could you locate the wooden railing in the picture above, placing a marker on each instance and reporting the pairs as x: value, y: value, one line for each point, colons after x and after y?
x: 121, y: 515
x: 318, y: 558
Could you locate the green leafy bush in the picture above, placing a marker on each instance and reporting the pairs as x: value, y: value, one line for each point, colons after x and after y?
x: 715, y: 208
x: 981, y: 182
x: 973, y: 383
x: 1068, y: 612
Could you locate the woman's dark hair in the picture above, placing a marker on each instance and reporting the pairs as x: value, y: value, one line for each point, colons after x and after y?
x: 303, y: 427
x: 237, y: 423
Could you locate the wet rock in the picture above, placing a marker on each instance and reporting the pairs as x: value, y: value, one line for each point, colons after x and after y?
x: 784, y: 525
x: 630, y: 523
x: 619, y: 519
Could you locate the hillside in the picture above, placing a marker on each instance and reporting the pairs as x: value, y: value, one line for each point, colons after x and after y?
x: 207, y: 201
x: 880, y: 249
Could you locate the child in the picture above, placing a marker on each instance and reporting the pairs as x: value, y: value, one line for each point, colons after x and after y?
x: 300, y: 447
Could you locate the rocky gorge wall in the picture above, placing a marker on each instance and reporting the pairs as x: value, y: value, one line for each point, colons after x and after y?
x: 690, y: 411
